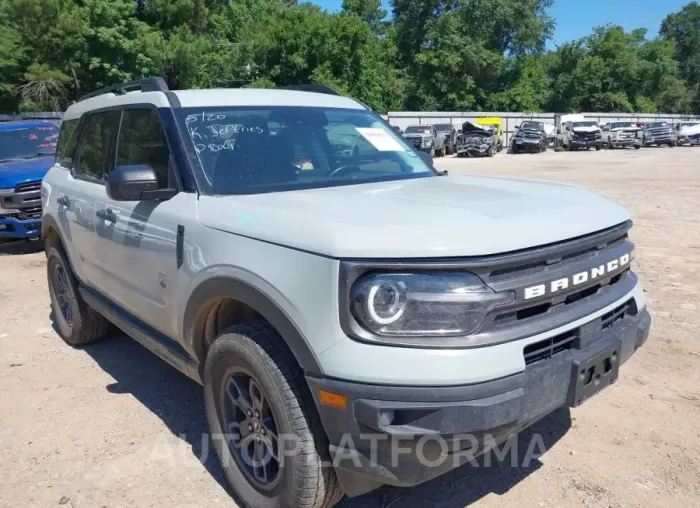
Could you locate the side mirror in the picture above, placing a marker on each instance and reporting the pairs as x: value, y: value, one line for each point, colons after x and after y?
x: 427, y: 158
x: 136, y: 182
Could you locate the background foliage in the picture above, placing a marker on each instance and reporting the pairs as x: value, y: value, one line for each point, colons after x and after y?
x: 424, y: 54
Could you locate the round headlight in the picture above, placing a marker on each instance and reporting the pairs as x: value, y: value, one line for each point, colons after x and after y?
x: 438, y: 304
x: 386, y: 302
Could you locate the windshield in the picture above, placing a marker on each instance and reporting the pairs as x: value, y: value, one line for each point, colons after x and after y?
x: 584, y: 124
x: 417, y: 128
x: 443, y: 127
x: 532, y: 126
x: 657, y: 124
x: 28, y: 142
x: 618, y: 125
x: 253, y: 150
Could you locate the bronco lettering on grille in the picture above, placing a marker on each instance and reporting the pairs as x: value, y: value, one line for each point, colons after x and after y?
x: 577, y: 279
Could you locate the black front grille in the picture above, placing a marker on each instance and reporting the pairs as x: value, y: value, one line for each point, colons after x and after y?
x: 30, y: 213
x: 585, y: 136
x: 415, y: 142
x: 540, y: 266
x: 546, y: 349
x: 542, y: 308
x: 616, y: 315
x: 28, y: 187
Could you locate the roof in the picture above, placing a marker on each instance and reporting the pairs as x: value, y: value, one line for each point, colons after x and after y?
x: 24, y: 124
x: 223, y: 97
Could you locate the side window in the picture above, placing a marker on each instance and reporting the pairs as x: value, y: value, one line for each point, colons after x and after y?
x: 67, y: 142
x: 96, y: 152
x: 142, y: 141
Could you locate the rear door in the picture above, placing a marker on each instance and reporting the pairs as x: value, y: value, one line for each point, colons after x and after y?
x: 83, y: 187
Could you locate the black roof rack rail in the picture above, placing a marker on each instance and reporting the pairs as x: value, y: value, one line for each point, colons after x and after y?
x: 312, y: 88
x: 152, y: 84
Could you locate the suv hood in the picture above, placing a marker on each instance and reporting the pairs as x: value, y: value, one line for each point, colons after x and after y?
x: 468, y: 127
x: 20, y: 171
x: 447, y: 216
x: 690, y: 130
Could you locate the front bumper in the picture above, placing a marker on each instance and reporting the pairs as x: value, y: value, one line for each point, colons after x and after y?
x: 580, y: 143
x: 474, y: 149
x: 661, y: 139
x: 11, y: 227
x: 403, y: 436
x: 528, y: 143
x: 626, y: 142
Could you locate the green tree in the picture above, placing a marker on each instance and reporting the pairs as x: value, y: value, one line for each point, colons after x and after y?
x: 614, y: 70
x: 458, y: 51
x: 369, y: 11
x: 683, y: 28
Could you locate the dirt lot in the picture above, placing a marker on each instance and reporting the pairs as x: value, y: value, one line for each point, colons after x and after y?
x: 111, y: 425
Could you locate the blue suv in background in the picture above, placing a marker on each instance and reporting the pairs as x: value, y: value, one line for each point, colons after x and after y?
x: 27, y: 151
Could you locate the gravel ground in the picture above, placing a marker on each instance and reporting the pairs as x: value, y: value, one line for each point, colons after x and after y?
x: 111, y: 425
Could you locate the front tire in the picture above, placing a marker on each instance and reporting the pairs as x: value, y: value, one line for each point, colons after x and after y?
x: 254, y: 393
x: 78, y: 323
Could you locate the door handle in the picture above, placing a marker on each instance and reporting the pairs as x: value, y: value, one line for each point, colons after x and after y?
x: 63, y: 201
x: 106, y: 215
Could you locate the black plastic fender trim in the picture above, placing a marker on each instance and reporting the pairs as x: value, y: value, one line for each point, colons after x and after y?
x: 229, y: 287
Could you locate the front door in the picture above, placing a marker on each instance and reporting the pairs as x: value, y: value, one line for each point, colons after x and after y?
x: 137, y: 239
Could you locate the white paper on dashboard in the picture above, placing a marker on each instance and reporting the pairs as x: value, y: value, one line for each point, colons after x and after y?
x: 380, y: 139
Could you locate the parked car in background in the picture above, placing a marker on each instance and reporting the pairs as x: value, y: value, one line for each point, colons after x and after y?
x: 688, y: 133
x: 529, y: 137
x: 477, y: 140
x: 425, y: 139
x: 560, y: 123
x: 622, y: 134
x: 496, y: 124
x: 448, y: 133
x: 397, y: 129
x: 659, y: 133
x: 582, y: 134
x: 27, y: 150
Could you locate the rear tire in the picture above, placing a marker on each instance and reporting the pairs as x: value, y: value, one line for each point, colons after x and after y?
x: 78, y: 323
x: 247, y: 354
x: 671, y: 145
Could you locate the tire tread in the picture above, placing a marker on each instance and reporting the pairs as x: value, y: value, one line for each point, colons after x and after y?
x: 317, y: 486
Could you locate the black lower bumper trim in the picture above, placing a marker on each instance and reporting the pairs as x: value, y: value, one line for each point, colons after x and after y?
x: 396, y: 434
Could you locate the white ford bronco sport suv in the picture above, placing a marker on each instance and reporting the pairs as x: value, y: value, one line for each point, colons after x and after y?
x: 334, y: 303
